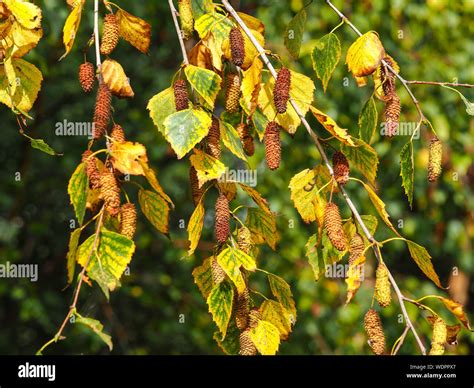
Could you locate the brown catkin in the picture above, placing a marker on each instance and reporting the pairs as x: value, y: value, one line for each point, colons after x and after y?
x: 110, y: 34
x: 388, y: 78
x: 103, y: 106
x: 87, y: 76
x: 247, y: 347
x: 438, y: 340
x: 254, y: 316
x: 110, y: 192
x: 392, y: 115
x: 232, y: 94
x: 186, y: 15
x: 246, y: 139
x: 382, y: 286
x: 117, y: 134
x: 356, y: 247
x: 341, y: 168
x: 218, y: 274
x: 281, y: 93
x: 374, y: 330
x: 272, y: 145
x: 214, y: 139
x: 333, y: 224
x: 181, y: 96
x: 244, y: 239
x: 237, y: 46
x: 435, y: 159
x: 128, y: 220
x: 91, y: 169
x: 242, y: 309
x: 196, y: 191
x: 222, y: 223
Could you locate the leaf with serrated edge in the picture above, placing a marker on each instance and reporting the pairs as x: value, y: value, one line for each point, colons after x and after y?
x: 71, y: 254
x: 368, y: 118
x: 365, y: 54
x: 161, y: 106
x: 457, y: 310
x: 281, y: 290
x: 220, y: 305
x: 294, y: 33
x: 263, y: 224
x: 96, y: 327
x: 196, y: 223
x: 208, y: 168
x: 251, y: 84
x: 231, y: 259
x: 77, y: 189
x: 134, y: 30
x: 331, y: 126
x: 231, y: 140
x: 203, y: 277
x: 155, y: 208
x: 407, y: 170
x: 362, y: 157
x: 205, y: 82
x: 261, y: 202
x: 129, y: 157
x: 277, y: 315
x: 116, y: 79
x: 326, y: 55
x: 266, y: 338
x: 423, y: 260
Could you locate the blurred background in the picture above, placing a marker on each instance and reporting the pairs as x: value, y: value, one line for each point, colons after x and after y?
x: 431, y: 40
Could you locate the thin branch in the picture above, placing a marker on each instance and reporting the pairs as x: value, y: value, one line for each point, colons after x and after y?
x: 316, y: 141
x: 96, y: 34
x: 455, y: 84
x: 400, y: 340
x: 174, y: 13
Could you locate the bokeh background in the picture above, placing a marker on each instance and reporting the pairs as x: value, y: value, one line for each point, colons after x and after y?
x: 431, y: 40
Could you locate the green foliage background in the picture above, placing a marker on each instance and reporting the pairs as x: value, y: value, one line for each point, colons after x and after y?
x: 431, y: 40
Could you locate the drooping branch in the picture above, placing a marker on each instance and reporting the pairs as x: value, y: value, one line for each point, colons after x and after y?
x: 454, y: 84
x: 318, y: 145
x: 174, y: 13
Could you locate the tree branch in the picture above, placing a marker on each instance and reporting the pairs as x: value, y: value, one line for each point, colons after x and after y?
x: 316, y: 141
x: 96, y: 35
x: 455, y: 84
x: 174, y: 13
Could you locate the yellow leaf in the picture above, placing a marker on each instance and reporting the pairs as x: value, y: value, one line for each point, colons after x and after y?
x: 128, y: 157
x: 251, y: 86
x: 302, y: 92
x: 257, y: 198
x: 380, y: 207
x: 201, y: 56
x: 21, y: 40
x: 266, y: 338
x: 331, y: 126
x: 134, y: 30
x: 196, y: 222
x: 153, y: 181
x: 116, y: 79
x: 27, y: 14
x: 229, y: 189
x: 71, y: 26
x: 365, y: 54
x: 203, y: 277
x: 355, y: 276
x: 207, y: 167
x: 277, y: 315
x: 252, y: 22
x: 231, y: 259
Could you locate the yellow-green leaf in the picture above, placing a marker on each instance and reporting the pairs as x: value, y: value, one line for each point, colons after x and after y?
x: 355, y: 276
x: 266, y: 338
x: 71, y: 26
x: 186, y: 128
x: 456, y: 309
x: 134, y: 30
x: 153, y: 181
x: 263, y: 225
x: 362, y: 157
x: 155, y: 208
x: 161, y: 106
x: 261, y: 202
x: 201, y: 7
x: 77, y: 190
x: 331, y: 126
x: 230, y: 344
x: 220, y: 305
x: 207, y: 167
x: 96, y: 327
x: 277, y: 315
x: 41, y: 145
x: 205, y: 82
x: 365, y: 54
x: 196, y: 222
x: 71, y: 254
x: 231, y: 259
x: 326, y: 55
x: 321, y: 253
x: 282, y: 291
x: 251, y: 84
x: 294, y: 33
x: 203, y: 277
x: 423, y: 260
x: 231, y: 139
x: 380, y: 207
x: 368, y: 118
x: 407, y: 170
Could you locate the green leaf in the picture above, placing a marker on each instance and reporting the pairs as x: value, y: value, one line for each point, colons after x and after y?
x: 203, y: 277
x: 277, y: 315
x: 77, y: 189
x: 207, y: 167
x: 107, y: 260
x: 423, y: 260
x: 155, y: 208
x: 231, y: 259
x: 321, y: 253
x: 407, y: 170
x: 260, y: 123
x: 201, y: 7
x: 266, y: 338
x: 205, y: 82
x: 96, y: 327
x: 71, y: 254
x: 364, y: 158
x: 294, y: 33
x: 40, y: 144
x: 326, y: 55
x: 281, y: 290
x: 368, y: 118
x: 469, y: 104
x: 196, y: 222
x: 231, y: 140
x: 230, y: 344
x: 161, y: 106
x: 220, y: 305
x: 370, y: 222
x: 186, y: 128
x: 263, y: 225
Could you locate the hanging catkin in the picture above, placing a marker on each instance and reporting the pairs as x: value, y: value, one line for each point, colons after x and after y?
x: 272, y: 145
x: 247, y: 347
x: 196, y: 191
x: 232, y: 94
x: 254, y: 316
x: 244, y: 239
x: 356, y: 247
x: 281, y: 93
x: 382, y: 286
x: 87, y: 76
x: 392, y: 115
x: 186, y: 15
x: 222, y: 222
x: 117, y: 134
x: 341, y: 168
x: 246, y: 139
x: 237, y: 46
x: 387, y: 78
x: 218, y: 274
x: 333, y: 224
x: 110, y: 34
x: 102, y: 111
x: 181, y: 97
x: 128, y: 220
x: 214, y: 139
x: 440, y: 334
x: 91, y: 169
x: 435, y: 158
x: 242, y: 309
x: 374, y: 330
x: 110, y: 192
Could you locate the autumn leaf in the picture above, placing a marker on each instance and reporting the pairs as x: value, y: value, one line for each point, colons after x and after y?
x: 134, y: 30
x: 423, y: 260
x: 129, y: 157
x: 155, y: 208
x: 196, y: 223
x: 116, y: 79
x: 71, y: 26
x: 207, y: 167
x: 331, y: 126
x: 326, y: 55
x: 219, y: 302
x: 365, y: 54
x: 355, y: 276
x: 266, y: 338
